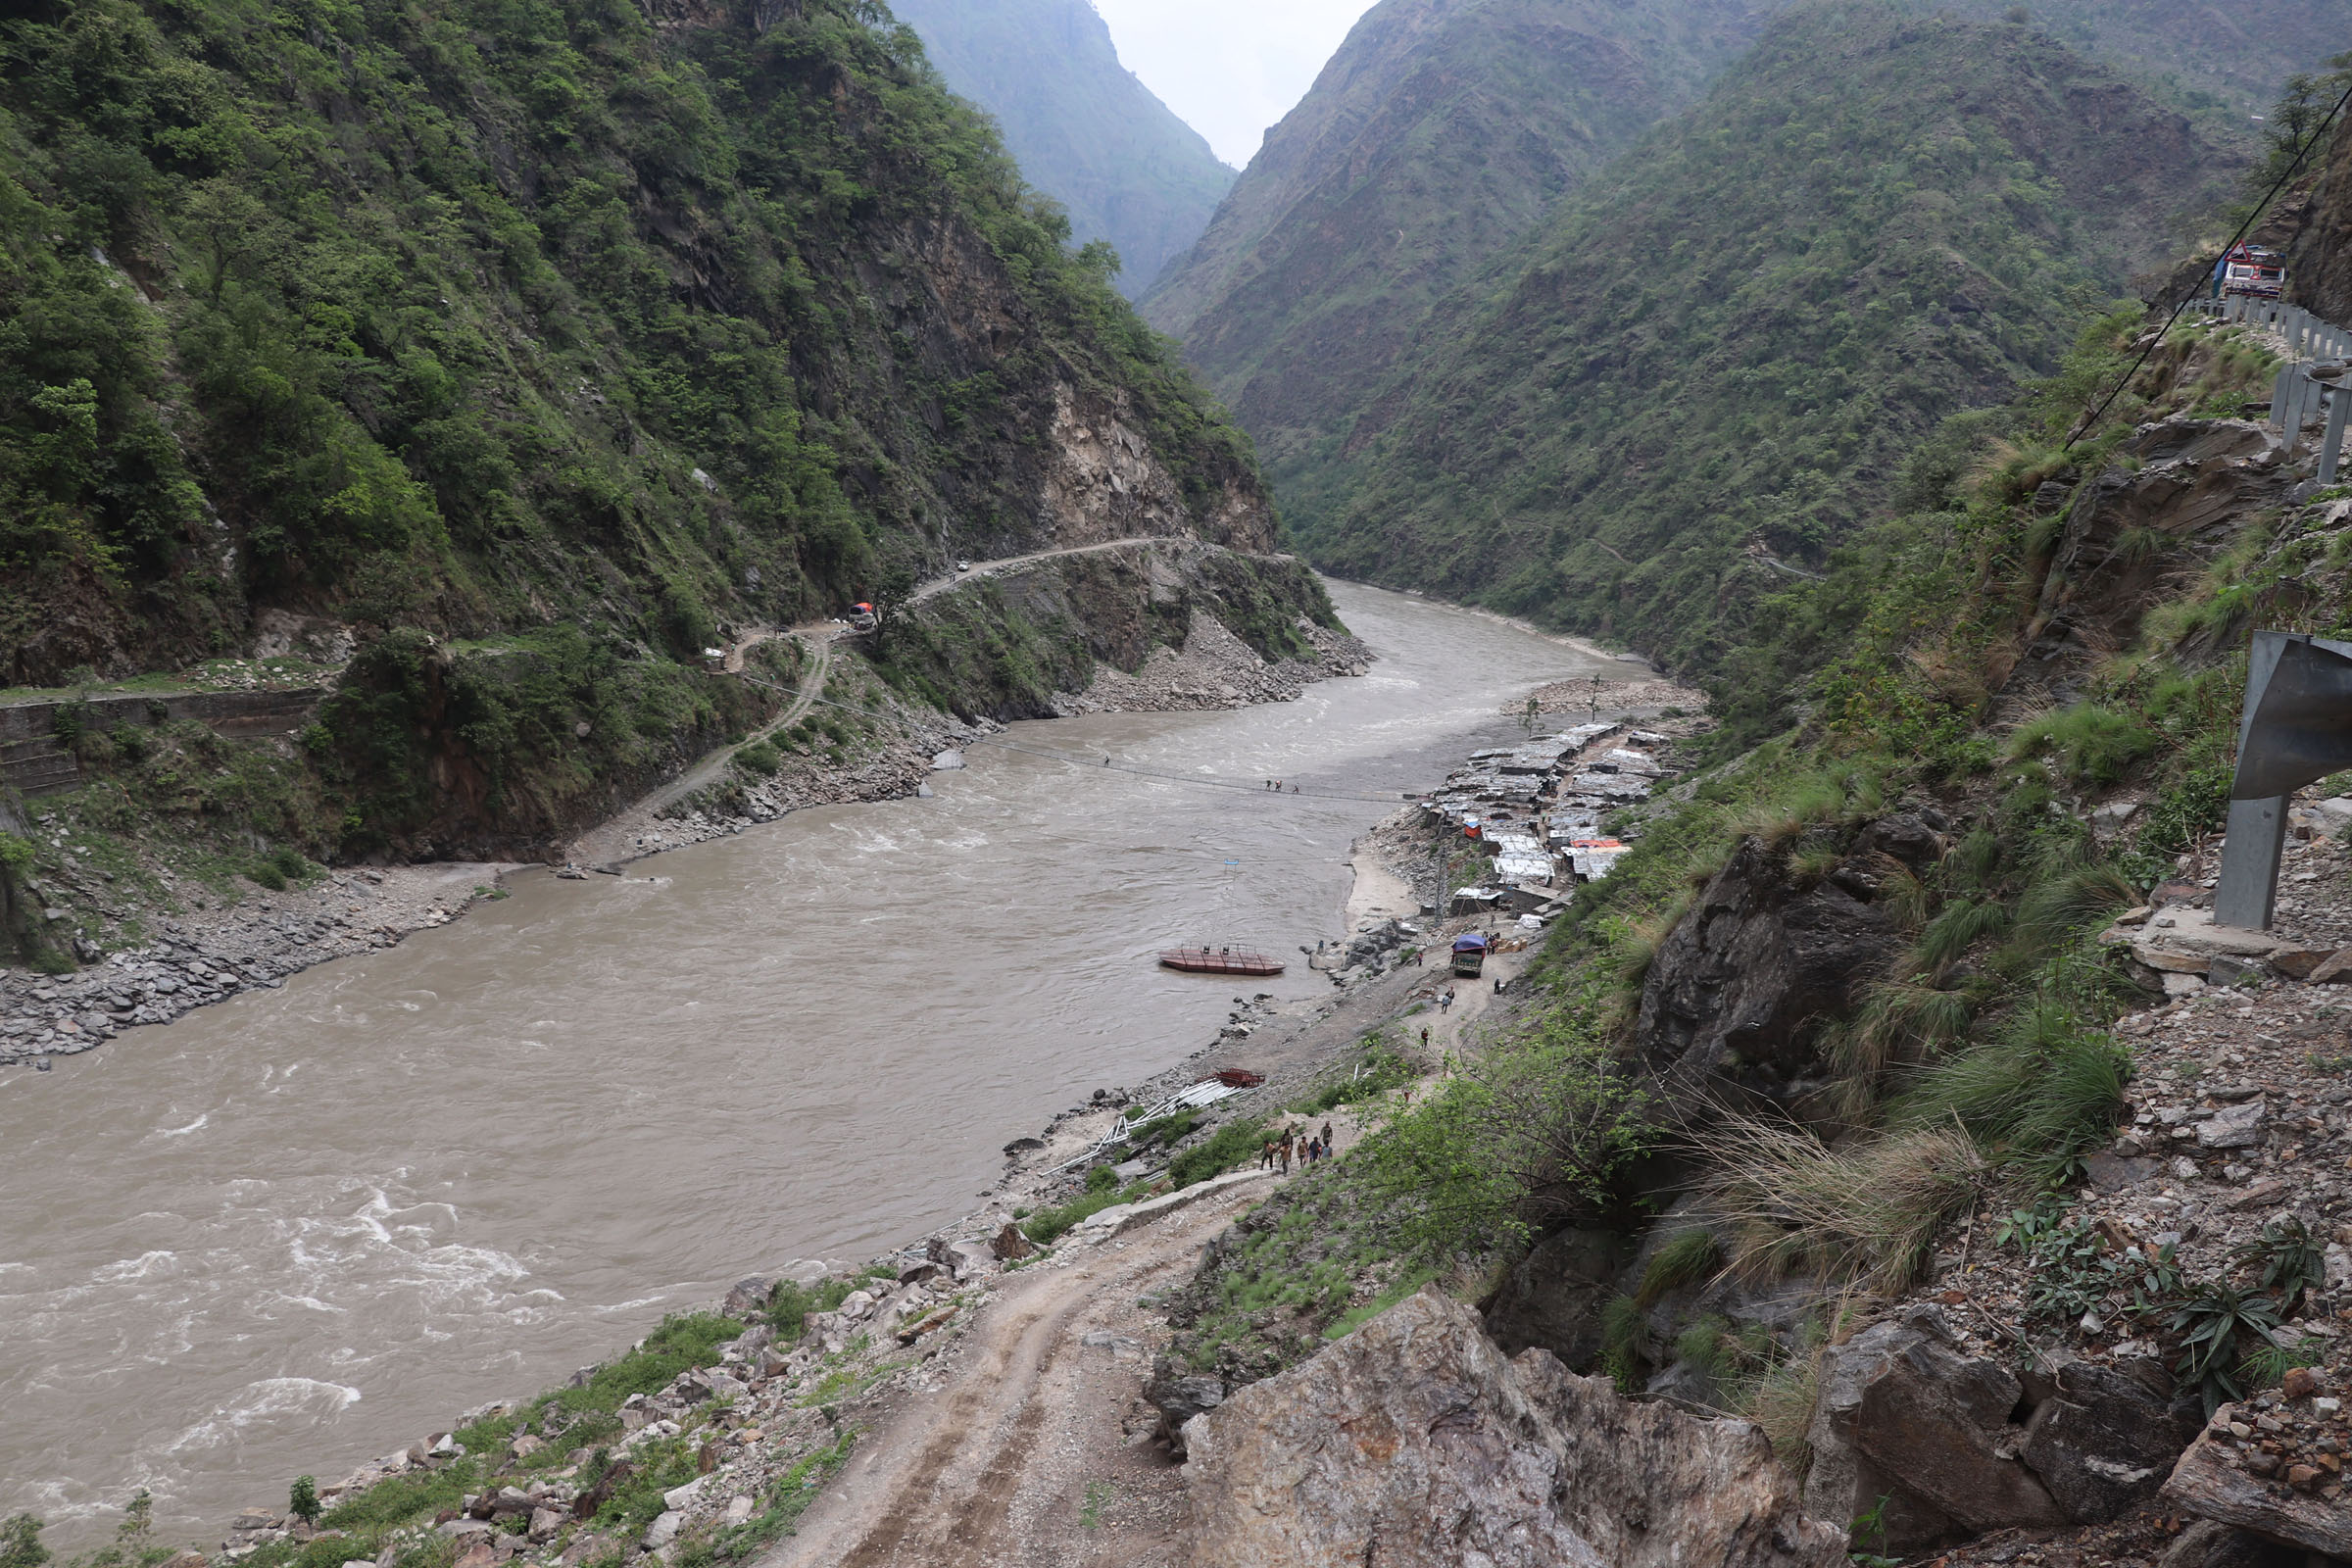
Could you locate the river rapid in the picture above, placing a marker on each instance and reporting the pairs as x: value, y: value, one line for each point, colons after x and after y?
x: 308, y: 1226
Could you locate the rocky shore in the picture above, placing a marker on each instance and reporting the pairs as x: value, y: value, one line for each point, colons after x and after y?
x: 210, y: 951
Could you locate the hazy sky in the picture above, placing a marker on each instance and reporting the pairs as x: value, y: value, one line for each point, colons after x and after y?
x: 1229, y: 68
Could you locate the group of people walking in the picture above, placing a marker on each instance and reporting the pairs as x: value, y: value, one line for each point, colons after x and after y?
x: 1310, y: 1150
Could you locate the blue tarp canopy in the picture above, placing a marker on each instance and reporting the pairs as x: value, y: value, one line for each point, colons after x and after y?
x: 1471, y: 943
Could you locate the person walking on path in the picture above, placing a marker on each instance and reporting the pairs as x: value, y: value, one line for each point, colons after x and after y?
x: 1327, y: 1137
x: 1286, y: 1154
x: 1425, y: 1037
x: 1265, y: 1156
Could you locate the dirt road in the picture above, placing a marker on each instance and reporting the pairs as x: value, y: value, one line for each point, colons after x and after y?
x: 616, y: 838
x: 992, y: 569
x: 1033, y: 1446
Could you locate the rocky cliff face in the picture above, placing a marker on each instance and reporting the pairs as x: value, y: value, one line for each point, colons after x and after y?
x: 1414, y: 1441
x: 1737, y: 990
x: 2320, y: 256
x: 1086, y: 131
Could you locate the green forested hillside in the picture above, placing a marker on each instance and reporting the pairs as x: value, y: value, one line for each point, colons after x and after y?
x: 1439, y: 134
x: 483, y: 316
x: 1699, y: 375
x: 1086, y: 131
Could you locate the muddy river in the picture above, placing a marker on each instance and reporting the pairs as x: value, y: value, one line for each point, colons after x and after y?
x: 306, y: 1227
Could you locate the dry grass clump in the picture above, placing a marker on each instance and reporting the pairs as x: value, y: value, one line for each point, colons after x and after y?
x: 1863, y: 1215
x: 1781, y: 1402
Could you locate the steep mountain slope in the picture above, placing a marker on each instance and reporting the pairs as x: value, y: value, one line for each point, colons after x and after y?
x: 562, y: 337
x: 1086, y: 131
x: 1712, y: 357
x: 1437, y: 135
x: 2233, y: 57
x: 2319, y: 258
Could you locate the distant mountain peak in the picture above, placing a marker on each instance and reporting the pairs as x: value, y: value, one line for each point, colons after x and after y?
x: 1084, y: 130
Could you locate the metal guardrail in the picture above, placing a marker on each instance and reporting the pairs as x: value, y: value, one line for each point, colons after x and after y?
x: 2315, y: 380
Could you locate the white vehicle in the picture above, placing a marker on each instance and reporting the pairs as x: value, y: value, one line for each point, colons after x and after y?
x: 963, y: 566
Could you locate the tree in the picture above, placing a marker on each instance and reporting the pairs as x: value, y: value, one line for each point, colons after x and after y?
x: 21, y: 1542
x: 138, y: 1520
x: 303, y: 1503
x: 229, y: 220
x: 894, y: 595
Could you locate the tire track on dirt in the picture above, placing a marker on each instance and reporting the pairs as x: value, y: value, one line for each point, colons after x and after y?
x: 973, y: 1473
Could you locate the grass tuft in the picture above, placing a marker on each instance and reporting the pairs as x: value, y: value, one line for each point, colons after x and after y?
x: 1865, y: 1213
x: 1687, y: 1257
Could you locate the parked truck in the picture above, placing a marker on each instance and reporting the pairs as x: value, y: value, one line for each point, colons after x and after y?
x: 1469, y: 956
x: 2254, y: 273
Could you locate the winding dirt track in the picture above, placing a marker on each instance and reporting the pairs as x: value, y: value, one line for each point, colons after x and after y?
x: 1022, y: 1454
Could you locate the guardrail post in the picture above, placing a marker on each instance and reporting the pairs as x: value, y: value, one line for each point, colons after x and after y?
x: 2247, y: 892
x: 2331, y: 446
x: 2278, y: 385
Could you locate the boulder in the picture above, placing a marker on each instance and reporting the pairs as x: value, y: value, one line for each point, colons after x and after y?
x: 1415, y: 1442
x: 545, y: 1521
x: 2232, y: 1127
x: 1179, y: 1395
x: 1903, y: 1414
x: 1010, y: 1245
x: 748, y: 1297
x: 2108, y: 1435
x: 663, y: 1530
x: 2210, y: 1484
x: 964, y: 1259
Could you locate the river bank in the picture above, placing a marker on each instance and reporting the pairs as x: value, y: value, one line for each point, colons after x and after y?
x: 216, y: 939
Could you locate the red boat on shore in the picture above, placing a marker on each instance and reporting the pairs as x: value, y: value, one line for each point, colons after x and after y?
x: 1220, y: 961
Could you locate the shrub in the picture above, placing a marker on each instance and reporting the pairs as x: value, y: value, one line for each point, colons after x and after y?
x: 21, y: 1542
x: 1102, y: 1179
x: 1958, y: 928
x: 789, y: 1302
x: 1231, y: 1144
x: 1380, y: 1072
x: 682, y: 1341
x: 760, y: 758
x: 303, y: 1500
x: 265, y: 873
x: 1539, y: 1130
x: 1049, y: 1225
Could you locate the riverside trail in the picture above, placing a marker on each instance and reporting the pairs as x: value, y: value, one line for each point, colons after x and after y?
x: 290, y: 1232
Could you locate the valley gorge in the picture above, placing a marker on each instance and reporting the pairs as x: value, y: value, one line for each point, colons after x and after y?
x: 629, y: 656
